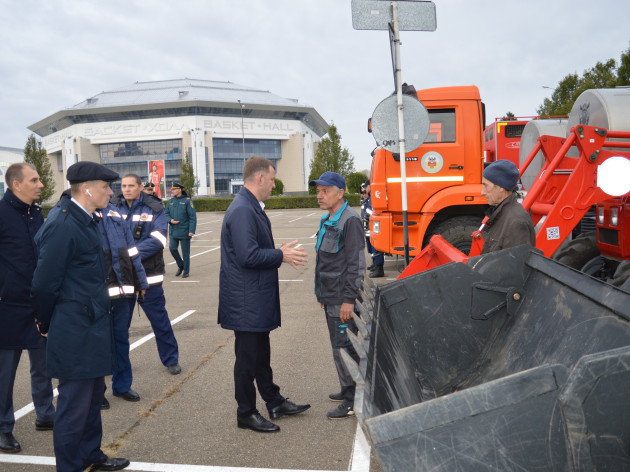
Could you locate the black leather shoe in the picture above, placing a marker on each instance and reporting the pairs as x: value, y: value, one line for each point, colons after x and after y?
x: 44, y: 425
x: 257, y: 423
x: 110, y: 463
x: 174, y: 369
x: 179, y: 271
x: 129, y: 395
x: 8, y: 443
x: 105, y: 404
x: 186, y: 275
x: 377, y: 272
x: 287, y: 408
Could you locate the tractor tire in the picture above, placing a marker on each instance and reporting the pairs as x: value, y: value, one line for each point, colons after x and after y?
x: 579, y: 252
x: 457, y: 231
x: 621, y: 276
x: 582, y: 254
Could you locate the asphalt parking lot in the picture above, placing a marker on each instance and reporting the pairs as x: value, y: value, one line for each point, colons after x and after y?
x: 187, y: 422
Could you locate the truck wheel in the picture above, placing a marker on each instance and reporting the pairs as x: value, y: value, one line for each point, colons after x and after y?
x: 579, y: 252
x: 457, y: 231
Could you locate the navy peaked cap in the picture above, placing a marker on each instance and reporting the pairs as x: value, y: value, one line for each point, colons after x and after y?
x: 85, y: 171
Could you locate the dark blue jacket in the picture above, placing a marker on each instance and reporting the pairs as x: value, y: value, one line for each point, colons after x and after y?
x: 148, y: 226
x: 249, y: 296
x: 70, y: 295
x: 18, y: 256
x: 126, y: 274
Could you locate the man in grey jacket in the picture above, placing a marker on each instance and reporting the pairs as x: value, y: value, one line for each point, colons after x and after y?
x: 338, y: 273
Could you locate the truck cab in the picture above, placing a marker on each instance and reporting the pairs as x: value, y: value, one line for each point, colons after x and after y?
x: 443, y: 177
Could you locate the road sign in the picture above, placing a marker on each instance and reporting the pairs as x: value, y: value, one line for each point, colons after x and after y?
x: 377, y: 15
x: 385, y: 123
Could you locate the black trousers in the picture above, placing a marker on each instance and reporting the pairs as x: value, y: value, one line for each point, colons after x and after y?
x: 253, y: 362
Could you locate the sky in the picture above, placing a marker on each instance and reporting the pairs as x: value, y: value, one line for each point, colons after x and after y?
x: 54, y: 55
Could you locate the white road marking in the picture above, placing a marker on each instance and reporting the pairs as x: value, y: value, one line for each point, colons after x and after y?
x: 30, y: 407
x: 290, y: 280
x: 360, y: 461
x: 152, y: 466
x: 201, y: 253
x: 310, y: 214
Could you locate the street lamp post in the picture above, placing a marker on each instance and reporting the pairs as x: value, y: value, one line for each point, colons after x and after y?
x: 242, y: 105
x: 194, y: 157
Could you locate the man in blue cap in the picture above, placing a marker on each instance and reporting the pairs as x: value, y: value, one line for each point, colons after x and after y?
x: 508, y: 223
x: 182, y: 224
x: 72, y: 306
x: 338, y: 274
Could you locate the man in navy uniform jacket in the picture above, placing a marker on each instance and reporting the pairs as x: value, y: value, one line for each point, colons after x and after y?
x: 72, y: 305
x: 249, y: 297
x: 20, y: 219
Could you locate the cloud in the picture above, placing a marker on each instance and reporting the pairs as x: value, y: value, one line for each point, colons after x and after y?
x: 55, y: 55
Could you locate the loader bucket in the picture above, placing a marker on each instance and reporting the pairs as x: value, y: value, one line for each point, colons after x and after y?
x: 509, y: 362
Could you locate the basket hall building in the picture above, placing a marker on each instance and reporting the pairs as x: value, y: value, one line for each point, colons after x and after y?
x: 218, y: 124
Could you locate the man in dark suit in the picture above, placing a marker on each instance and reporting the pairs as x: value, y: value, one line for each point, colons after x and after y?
x: 249, y: 295
x: 72, y: 305
x: 20, y: 219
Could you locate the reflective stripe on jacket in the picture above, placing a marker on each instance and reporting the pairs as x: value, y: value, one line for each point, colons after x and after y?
x: 147, y: 223
x: 125, y: 273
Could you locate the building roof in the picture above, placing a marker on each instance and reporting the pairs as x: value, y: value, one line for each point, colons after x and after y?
x: 181, y: 97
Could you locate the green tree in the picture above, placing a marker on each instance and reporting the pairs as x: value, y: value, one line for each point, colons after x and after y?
x: 602, y: 75
x: 354, y: 181
x: 623, y: 73
x: 279, y: 190
x: 509, y: 116
x: 330, y: 156
x: 35, y: 154
x: 187, y: 177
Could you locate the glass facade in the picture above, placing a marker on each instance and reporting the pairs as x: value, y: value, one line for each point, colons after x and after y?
x: 132, y: 158
x: 126, y: 158
x: 229, y: 158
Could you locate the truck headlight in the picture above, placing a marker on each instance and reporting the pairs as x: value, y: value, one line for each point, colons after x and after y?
x: 376, y: 227
x: 600, y: 215
x: 614, y: 216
